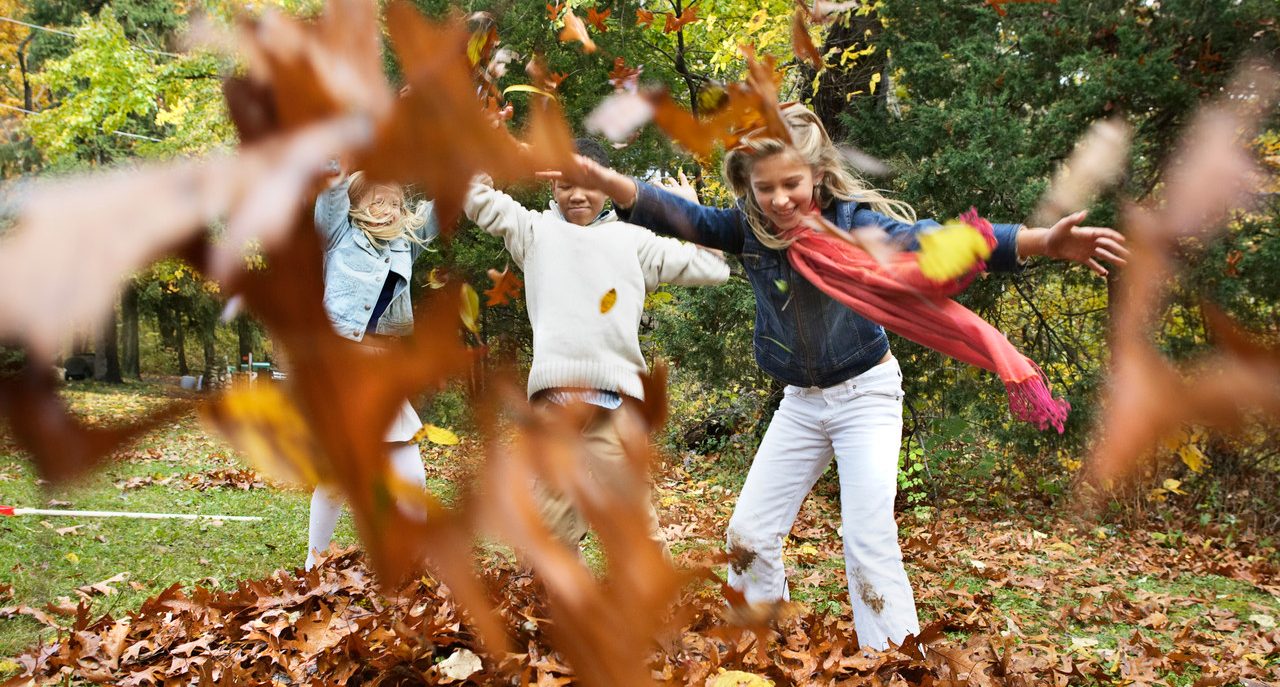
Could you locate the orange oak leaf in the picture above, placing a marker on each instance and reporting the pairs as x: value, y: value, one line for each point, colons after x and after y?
x: 575, y: 30
x: 643, y: 18
x: 802, y: 42
x: 553, y: 11
x: 622, y: 77
x: 674, y: 23
x: 506, y: 285
x: 596, y: 19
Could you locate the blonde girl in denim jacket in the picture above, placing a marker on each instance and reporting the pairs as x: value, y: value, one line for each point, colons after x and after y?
x: 371, y: 237
x: 843, y: 397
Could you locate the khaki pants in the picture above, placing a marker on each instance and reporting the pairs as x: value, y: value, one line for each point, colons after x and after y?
x: 607, y: 463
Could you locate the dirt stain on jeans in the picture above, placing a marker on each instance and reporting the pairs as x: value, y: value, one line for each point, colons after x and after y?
x: 740, y: 557
x: 867, y: 592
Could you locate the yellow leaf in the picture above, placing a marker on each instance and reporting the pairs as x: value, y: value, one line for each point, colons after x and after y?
x: 436, y: 278
x: 265, y: 425
x: 437, y: 435
x: 1193, y: 457
x: 1173, y: 486
x: 738, y: 678
x: 470, y: 309
x: 607, y: 301
x: 526, y: 88
x: 9, y: 666
x: 951, y: 251
x: 875, y: 81
x: 71, y: 556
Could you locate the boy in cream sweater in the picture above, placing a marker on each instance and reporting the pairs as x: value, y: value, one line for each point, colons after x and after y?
x: 573, y: 255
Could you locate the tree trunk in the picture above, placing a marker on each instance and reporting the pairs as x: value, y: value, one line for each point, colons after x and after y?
x: 180, y: 343
x: 835, y: 83
x: 208, y: 337
x: 129, y: 331
x: 106, y: 354
x: 28, y: 103
x: 244, y: 334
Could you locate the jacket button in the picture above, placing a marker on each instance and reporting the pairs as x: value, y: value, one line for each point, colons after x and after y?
x: 355, y: 332
x: 386, y: 259
x: 368, y: 307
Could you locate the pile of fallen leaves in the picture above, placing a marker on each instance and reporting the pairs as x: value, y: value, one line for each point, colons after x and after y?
x: 330, y: 626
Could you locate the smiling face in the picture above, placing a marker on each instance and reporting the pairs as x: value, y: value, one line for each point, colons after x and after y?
x: 578, y: 205
x: 383, y: 203
x: 782, y: 184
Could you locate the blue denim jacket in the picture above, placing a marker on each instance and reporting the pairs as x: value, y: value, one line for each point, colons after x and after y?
x: 803, y: 336
x: 355, y: 268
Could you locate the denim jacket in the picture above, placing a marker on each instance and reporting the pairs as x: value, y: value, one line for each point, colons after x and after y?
x: 803, y: 337
x: 356, y: 268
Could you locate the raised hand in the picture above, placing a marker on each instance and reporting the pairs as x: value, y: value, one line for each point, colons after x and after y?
x: 681, y: 186
x: 1067, y: 240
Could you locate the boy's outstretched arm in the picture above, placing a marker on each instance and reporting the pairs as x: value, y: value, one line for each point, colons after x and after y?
x: 1067, y: 240
x: 656, y: 209
x: 500, y: 215
x: 666, y: 260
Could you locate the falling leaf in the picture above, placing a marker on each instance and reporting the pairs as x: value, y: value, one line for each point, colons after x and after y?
x: 608, y: 300
x: 526, y: 88
x: 619, y: 116
x: 553, y: 11
x: 823, y: 10
x: 951, y: 250
x: 1097, y: 162
x: 575, y: 30
x: 596, y: 18
x: 506, y: 285
x: 269, y: 430
x: 802, y: 42
x: 624, y: 78
x: 469, y: 309
x: 644, y: 18
x: 674, y: 23
x: 436, y: 435
x: 436, y: 278
x: 460, y: 665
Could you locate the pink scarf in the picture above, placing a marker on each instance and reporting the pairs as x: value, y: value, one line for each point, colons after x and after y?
x: 900, y: 298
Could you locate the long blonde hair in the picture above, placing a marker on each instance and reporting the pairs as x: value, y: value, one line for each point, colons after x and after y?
x: 810, y: 141
x: 375, y: 221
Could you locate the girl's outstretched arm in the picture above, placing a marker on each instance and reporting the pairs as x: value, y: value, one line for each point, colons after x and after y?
x: 658, y: 210
x: 1067, y: 240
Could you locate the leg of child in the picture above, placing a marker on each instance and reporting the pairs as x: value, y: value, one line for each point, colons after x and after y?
x: 603, y: 441
x: 867, y: 435
x: 406, y: 461
x: 792, y: 456
x: 326, y: 504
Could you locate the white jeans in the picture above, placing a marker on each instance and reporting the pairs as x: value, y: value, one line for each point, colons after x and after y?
x: 859, y: 422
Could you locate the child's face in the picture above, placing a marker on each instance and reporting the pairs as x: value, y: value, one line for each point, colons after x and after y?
x: 385, y: 203
x: 577, y: 204
x: 783, y: 187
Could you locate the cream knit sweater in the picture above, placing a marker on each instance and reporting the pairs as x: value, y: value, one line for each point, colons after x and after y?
x: 569, y: 269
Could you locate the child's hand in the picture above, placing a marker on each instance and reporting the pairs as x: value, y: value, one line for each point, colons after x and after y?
x: 681, y: 186
x: 587, y: 173
x: 1066, y: 240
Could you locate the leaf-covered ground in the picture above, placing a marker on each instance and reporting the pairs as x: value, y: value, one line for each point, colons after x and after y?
x: 1035, y: 599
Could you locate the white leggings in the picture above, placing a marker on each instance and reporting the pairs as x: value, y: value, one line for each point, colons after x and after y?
x: 859, y: 422
x: 326, y: 503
